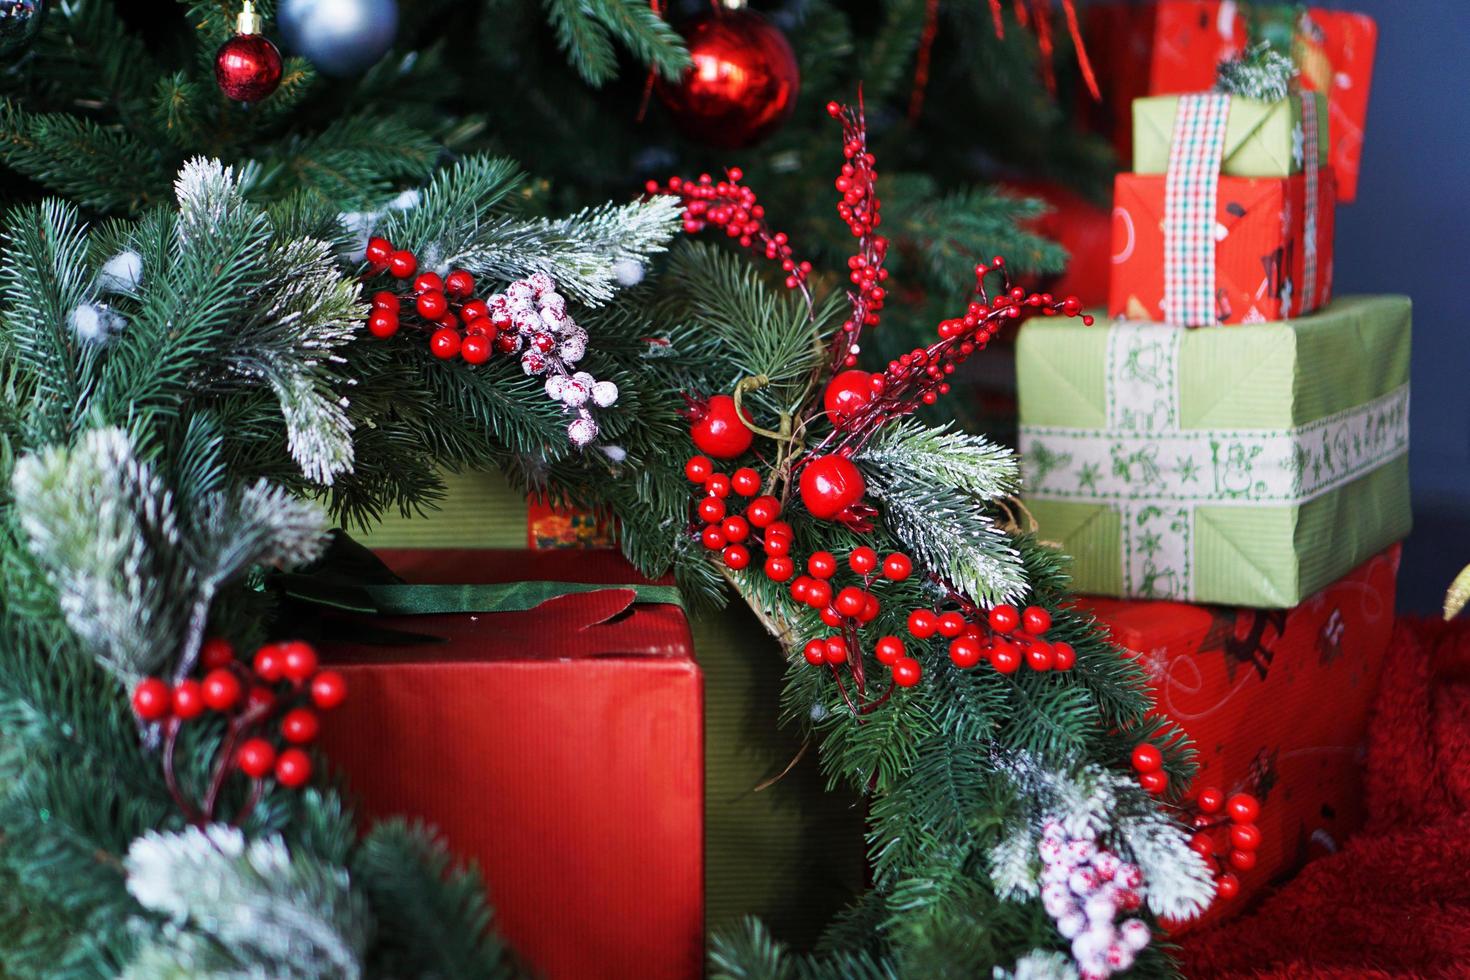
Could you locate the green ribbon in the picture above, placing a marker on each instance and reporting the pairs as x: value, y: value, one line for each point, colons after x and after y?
x: 429, y: 600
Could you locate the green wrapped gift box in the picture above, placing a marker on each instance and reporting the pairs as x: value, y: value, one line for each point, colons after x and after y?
x: 1247, y: 465
x: 1262, y: 139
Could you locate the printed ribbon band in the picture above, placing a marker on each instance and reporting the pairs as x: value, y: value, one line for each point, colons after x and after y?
x: 1311, y: 166
x: 1156, y: 474
x: 1191, y: 189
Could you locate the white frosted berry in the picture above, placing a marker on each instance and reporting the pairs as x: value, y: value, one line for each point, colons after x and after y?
x: 604, y: 394
x: 540, y: 282
x: 1050, y: 849
x: 586, y: 378
x: 533, y: 362
x: 1135, y: 934
x: 1129, y: 876
x: 582, y: 430
x: 543, y: 342
x: 519, y: 292
x: 554, y: 385
x: 574, y: 393
x: 553, y: 303
x: 1106, y: 864
x: 1080, y: 849
x: 1101, y: 906
x: 1082, y: 881
x: 628, y: 272
x: 572, y: 350
x: 1119, y: 957
x: 1071, y: 925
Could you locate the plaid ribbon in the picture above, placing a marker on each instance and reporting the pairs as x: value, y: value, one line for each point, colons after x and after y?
x: 1310, y: 166
x: 1191, y: 187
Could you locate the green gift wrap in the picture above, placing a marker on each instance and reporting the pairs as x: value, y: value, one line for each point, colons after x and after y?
x: 1246, y: 465
x: 1262, y: 139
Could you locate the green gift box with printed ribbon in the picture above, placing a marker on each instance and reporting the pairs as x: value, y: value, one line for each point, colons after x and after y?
x: 1247, y: 465
x: 1262, y: 139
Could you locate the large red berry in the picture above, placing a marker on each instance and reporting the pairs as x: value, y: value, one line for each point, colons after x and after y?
x: 846, y: 394
x: 965, y: 652
x: 476, y: 348
x: 259, y: 699
x: 1035, y: 620
x: 897, y: 567
x: 830, y: 485
x: 1242, y: 860
x: 256, y: 757
x: 1064, y: 656
x: 815, y: 652
x: 1004, y: 618
x: 736, y: 557
x: 444, y: 343
x: 718, y: 485
x: 1153, y: 782
x: 822, y: 564
x: 1004, y: 657
x: 328, y: 689
x: 720, y: 433
x: 300, y: 726
x: 1202, y: 844
x: 830, y: 617
x: 221, y: 689
x: 746, y: 482
x: 779, y: 568
x: 293, y: 768
x: 711, y: 510
x: 713, y: 538
x: 736, y: 528
x: 384, y: 300
x: 1227, y: 886
x: 698, y: 469
x: 1243, y: 808
x: 1147, y: 757
x: 951, y: 624
x: 801, y: 588
x: 432, y: 305
x: 889, y: 650
x: 836, y: 650
x: 1210, y: 800
x: 188, y: 700
x: 762, y: 511
x: 459, y: 283
x: 819, y: 593
x: 268, y: 663
x: 383, y: 324
x: 862, y: 560
x: 476, y: 309
x: 923, y: 623
x: 402, y: 264
x: 379, y: 250
x: 216, y: 652
x: 907, y: 672
x: 298, y: 661
x: 1039, y: 656
x: 427, y: 282
x: 152, y: 699
x: 1246, y: 836
x: 850, y: 601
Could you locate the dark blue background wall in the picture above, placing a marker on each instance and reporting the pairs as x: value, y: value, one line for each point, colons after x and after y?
x: 1409, y: 232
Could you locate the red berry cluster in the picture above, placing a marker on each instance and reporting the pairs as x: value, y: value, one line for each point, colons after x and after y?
x: 1007, y: 638
x: 1148, y: 762
x: 860, y: 208
x: 1226, y: 836
x: 732, y: 206
x: 730, y: 533
x: 849, y: 608
x: 282, y: 680
x: 444, y: 303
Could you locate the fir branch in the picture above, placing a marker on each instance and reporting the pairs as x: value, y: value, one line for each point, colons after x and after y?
x: 584, y: 32
x: 1260, y: 72
x: 453, y: 209
x: 103, y: 168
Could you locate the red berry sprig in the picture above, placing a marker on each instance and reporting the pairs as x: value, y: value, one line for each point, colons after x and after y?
x: 283, y: 683
x: 1148, y: 762
x: 1005, y: 637
x: 860, y: 207
x: 1226, y: 836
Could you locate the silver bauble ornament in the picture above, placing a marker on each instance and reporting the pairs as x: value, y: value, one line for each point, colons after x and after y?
x: 20, y: 22
x: 339, y: 37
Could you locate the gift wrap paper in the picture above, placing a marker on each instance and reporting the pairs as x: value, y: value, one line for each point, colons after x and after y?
x: 1276, y: 701
x: 1260, y: 260
x: 1262, y: 139
x: 1247, y: 465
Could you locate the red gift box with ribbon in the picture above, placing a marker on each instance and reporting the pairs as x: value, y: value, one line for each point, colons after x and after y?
x: 1173, y: 46
x: 559, y: 746
x: 1258, y: 260
x: 1276, y: 701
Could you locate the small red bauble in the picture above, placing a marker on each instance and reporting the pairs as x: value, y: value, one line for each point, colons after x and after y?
x: 815, y: 652
x: 1035, y: 620
x: 698, y: 469
x: 300, y: 726
x: 216, y: 652
x: 1003, y: 619
x: 298, y: 661
x: 459, y: 283
x: 889, y: 650
x: 256, y: 757
x: 836, y: 650
x: 247, y: 67
x: 762, y: 511
x: 428, y: 282
x: 1147, y: 757
x: 1064, y: 656
x: 1246, y: 836
x: 850, y: 601
x: 742, y: 84
x: 383, y: 324
x: 951, y: 624
x: 735, y: 528
x: 830, y: 485
x: 822, y: 564
x: 152, y: 699
x: 923, y: 623
x: 328, y: 690
x: 907, y: 672
x: 710, y: 510
x: 1005, y: 658
x: 188, y: 700
x: 221, y: 689
x: 1153, y: 782
x: 718, y: 485
x: 1227, y: 886
x: 1242, y: 860
x: 293, y: 768
x: 862, y: 560
x: 1243, y: 808
x: 1210, y: 800
x: 378, y: 251
x: 1038, y: 656
x: 720, y: 433
x: 431, y: 305
x: 402, y: 264
x: 779, y: 568
x: 736, y: 557
x: 746, y: 482
x: 897, y: 567
x: 268, y: 663
x: 845, y: 394
x: 713, y: 538
x: 965, y: 652
x: 475, y: 349
x: 444, y: 343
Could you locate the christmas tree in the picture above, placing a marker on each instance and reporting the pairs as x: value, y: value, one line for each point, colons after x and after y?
x: 244, y: 302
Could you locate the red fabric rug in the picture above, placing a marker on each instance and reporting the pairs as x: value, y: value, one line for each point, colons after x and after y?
x: 1395, y: 901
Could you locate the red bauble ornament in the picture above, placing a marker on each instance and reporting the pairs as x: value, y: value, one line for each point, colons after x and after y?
x: 247, y: 67
x: 846, y: 393
x: 742, y: 84
x: 720, y: 433
x: 830, y: 485
x: 151, y: 699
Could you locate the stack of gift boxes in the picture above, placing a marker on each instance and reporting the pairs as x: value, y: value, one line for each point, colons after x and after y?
x: 1226, y: 457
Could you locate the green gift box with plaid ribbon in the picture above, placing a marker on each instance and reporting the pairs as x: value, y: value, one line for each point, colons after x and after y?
x: 1262, y: 139
x: 1247, y: 465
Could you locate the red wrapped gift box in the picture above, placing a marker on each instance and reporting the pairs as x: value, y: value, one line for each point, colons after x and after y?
x: 1172, y: 46
x: 560, y: 748
x: 1259, y: 259
x: 1276, y: 701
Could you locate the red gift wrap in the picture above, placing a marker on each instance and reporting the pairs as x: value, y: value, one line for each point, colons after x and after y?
x: 1173, y: 46
x: 1259, y: 258
x: 561, y: 749
x: 1276, y: 702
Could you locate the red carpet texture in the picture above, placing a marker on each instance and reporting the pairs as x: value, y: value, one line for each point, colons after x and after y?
x: 1395, y: 901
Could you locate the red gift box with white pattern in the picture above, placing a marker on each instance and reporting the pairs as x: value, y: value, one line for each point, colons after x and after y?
x: 561, y: 749
x: 1276, y: 701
